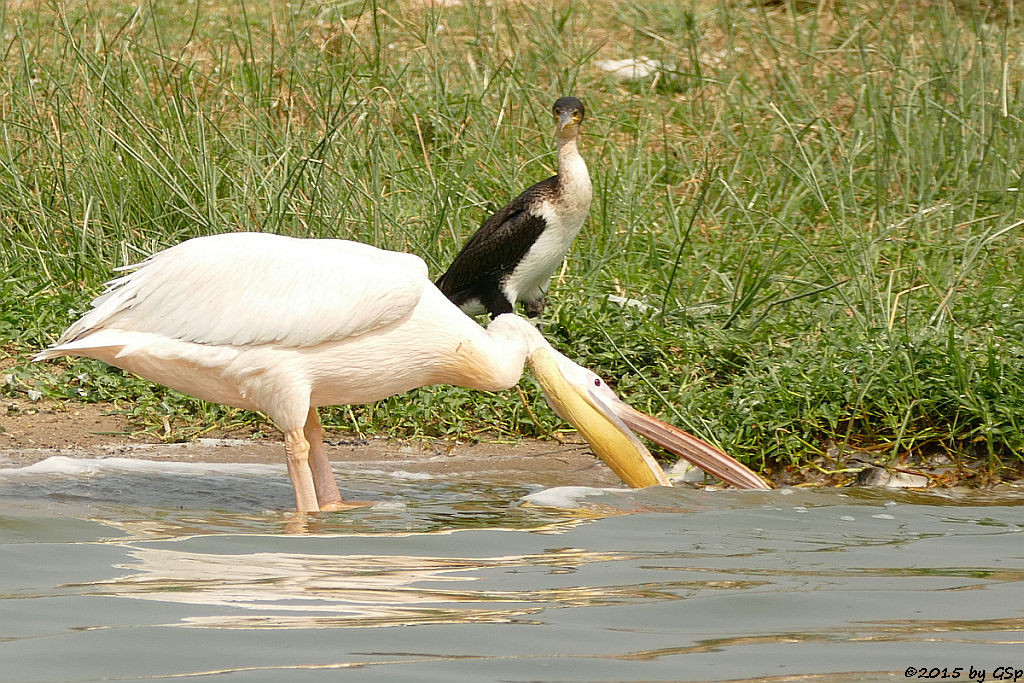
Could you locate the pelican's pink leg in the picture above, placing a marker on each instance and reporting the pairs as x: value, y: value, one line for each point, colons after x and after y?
x: 297, y: 448
x: 327, y: 493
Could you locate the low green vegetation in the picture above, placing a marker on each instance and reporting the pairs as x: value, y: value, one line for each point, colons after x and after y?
x: 816, y: 204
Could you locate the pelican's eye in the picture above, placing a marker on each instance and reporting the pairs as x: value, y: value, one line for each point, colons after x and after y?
x: 597, y: 382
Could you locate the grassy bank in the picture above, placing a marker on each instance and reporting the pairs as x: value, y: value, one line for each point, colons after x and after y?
x: 816, y: 202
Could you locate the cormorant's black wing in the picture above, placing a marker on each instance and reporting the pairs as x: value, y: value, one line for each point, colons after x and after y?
x: 497, y: 246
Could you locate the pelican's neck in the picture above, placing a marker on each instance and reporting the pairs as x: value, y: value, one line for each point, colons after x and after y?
x: 517, y: 332
x: 492, y: 359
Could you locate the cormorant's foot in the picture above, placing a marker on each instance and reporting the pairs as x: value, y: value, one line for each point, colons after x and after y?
x: 534, y: 308
x: 346, y: 505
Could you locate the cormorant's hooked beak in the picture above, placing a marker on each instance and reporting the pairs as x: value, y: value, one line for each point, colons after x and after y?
x: 607, y: 423
x: 567, y: 118
x: 568, y: 122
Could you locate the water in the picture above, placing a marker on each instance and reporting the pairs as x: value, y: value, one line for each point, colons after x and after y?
x: 120, y: 570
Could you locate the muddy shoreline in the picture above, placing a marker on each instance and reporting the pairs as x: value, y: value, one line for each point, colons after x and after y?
x: 33, y: 431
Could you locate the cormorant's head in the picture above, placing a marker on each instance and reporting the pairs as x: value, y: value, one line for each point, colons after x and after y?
x: 568, y: 116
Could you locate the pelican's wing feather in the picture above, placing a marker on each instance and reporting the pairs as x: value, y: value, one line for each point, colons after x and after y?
x: 257, y: 288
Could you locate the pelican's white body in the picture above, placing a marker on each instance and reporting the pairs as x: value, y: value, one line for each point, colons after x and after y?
x: 285, y: 325
x: 281, y: 325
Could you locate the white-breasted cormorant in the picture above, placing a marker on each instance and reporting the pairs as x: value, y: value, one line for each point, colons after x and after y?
x: 516, y: 251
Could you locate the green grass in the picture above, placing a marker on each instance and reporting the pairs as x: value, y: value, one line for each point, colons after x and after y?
x: 818, y: 202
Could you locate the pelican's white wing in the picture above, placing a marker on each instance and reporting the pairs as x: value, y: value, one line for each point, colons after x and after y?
x: 256, y: 288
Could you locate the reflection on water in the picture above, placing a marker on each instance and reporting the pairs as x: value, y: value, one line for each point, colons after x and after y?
x: 487, y: 584
x: 316, y: 591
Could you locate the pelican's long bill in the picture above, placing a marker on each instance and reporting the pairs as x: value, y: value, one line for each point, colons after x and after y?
x: 607, y: 423
x: 690, y: 448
